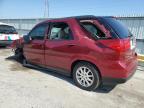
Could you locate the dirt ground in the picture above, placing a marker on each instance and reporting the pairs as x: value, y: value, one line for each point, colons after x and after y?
x: 22, y: 87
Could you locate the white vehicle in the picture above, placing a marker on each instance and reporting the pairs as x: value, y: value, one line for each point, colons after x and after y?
x: 7, y: 34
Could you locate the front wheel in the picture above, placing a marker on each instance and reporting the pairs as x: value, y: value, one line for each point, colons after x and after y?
x: 24, y: 62
x: 86, y: 76
x: 19, y: 53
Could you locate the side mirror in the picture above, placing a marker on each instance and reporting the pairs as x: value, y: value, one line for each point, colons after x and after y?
x: 26, y: 39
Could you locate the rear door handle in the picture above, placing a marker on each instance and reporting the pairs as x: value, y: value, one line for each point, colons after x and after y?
x: 71, y: 44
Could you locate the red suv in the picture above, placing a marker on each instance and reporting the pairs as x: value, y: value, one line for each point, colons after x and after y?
x: 93, y: 50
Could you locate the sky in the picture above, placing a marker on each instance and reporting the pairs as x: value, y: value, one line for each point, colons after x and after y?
x: 64, y: 8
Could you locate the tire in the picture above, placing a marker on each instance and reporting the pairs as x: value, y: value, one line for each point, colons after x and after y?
x: 86, y: 76
x: 3, y: 46
x: 24, y: 62
x: 19, y: 54
x: 18, y: 51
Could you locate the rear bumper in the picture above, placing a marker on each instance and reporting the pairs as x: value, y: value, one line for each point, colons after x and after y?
x: 5, y: 43
x: 114, y: 81
x: 119, y: 72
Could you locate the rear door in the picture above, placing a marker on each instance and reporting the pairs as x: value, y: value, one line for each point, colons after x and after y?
x: 59, y: 46
x: 34, y: 51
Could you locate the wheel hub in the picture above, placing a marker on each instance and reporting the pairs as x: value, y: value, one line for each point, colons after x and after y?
x: 84, y: 76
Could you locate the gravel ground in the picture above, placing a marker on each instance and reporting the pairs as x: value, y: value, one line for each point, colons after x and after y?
x: 22, y: 87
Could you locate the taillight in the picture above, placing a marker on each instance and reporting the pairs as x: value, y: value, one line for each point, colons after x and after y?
x: 15, y: 32
x: 116, y: 46
x: 127, y: 44
x: 119, y: 45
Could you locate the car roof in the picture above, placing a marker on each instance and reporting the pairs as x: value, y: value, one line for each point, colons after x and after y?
x: 83, y: 17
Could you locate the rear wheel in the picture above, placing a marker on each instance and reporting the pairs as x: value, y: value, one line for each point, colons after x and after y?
x: 86, y: 76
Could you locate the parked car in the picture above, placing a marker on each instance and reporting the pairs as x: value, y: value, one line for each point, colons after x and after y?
x: 7, y: 34
x: 92, y: 50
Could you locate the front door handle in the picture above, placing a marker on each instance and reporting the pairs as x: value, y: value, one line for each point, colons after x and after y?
x: 37, y: 45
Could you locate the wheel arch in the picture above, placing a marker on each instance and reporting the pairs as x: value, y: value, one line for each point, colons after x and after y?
x: 78, y: 61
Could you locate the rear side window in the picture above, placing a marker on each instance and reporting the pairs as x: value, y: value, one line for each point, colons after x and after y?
x: 93, y: 30
x: 120, y: 29
x: 5, y: 29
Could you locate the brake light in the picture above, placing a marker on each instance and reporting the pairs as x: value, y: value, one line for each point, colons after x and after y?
x: 116, y: 46
x: 119, y: 45
x: 127, y: 44
x: 15, y: 32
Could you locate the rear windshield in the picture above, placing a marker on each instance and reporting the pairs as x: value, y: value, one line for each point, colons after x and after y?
x: 119, y: 28
x: 5, y: 29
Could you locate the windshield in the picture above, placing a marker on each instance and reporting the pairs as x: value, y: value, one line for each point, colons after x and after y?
x: 119, y: 28
x: 5, y: 29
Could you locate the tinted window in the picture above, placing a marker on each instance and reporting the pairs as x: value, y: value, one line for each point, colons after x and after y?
x: 60, y: 31
x: 7, y: 29
x: 120, y: 29
x: 93, y: 30
x: 38, y: 33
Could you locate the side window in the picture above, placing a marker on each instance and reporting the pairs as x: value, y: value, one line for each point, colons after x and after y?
x: 38, y: 33
x: 60, y: 31
x: 93, y: 29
